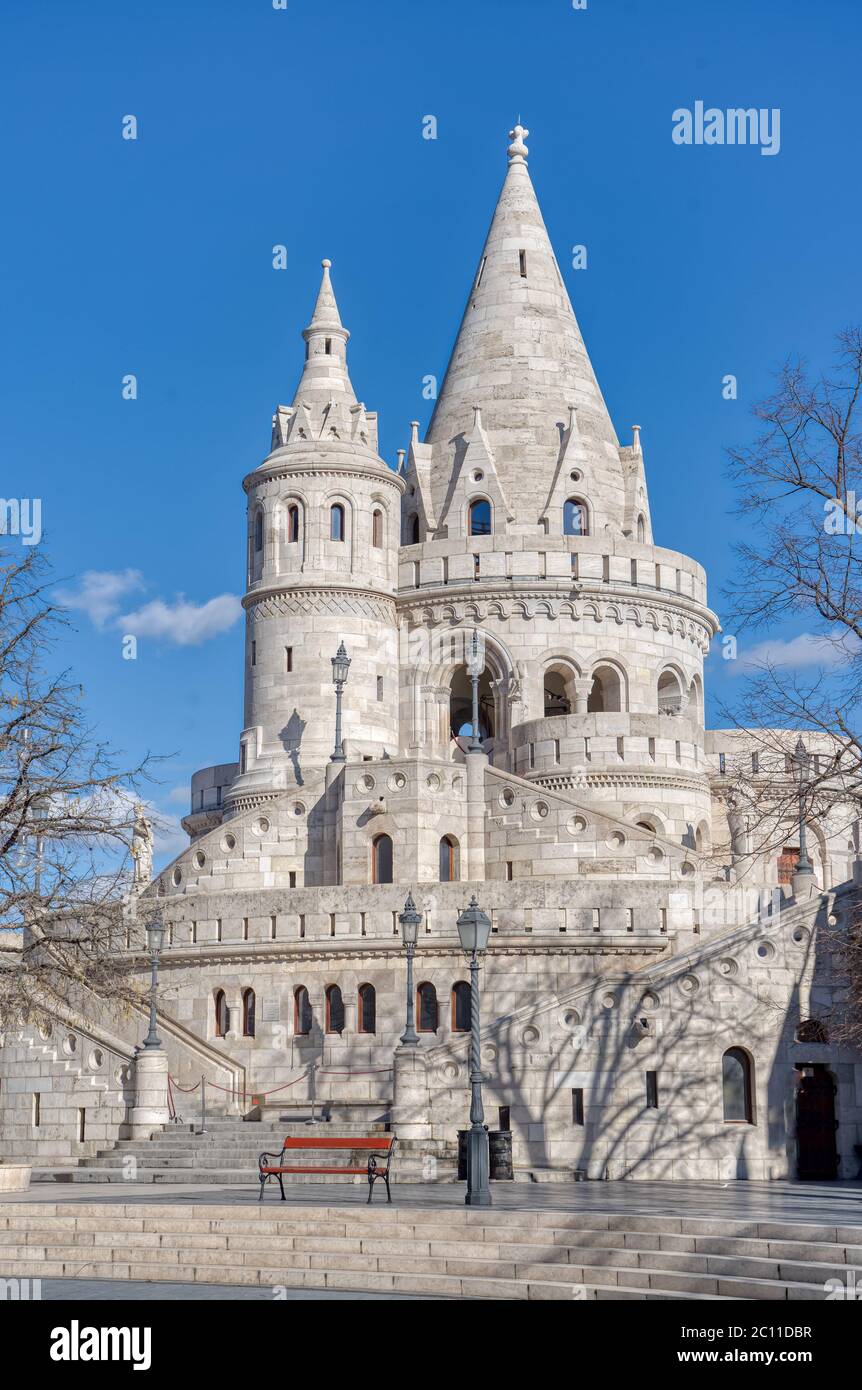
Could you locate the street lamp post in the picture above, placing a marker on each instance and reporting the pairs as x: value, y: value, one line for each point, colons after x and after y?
x: 340, y: 668
x: 801, y: 762
x: 475, y: 667
x: 155, y: 935
x: 410, y: 920
x: 474, y: 929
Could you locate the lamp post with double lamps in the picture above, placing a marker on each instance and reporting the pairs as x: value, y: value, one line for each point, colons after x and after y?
x: 474, y: 930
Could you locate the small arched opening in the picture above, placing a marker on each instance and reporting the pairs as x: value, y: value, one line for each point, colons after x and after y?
x: 576, y: 519
x: 292, y: 524
x: 222, y: 1014
x: 377, y: 529
x: 367, y: 1010
x: 557, y: 692
x: 736, y: 1087
x: 336, y: 522
x: 426, y: 1008
x: 461, y: 1008
x: 381, y: 859
x: 450, y: 859
x: 606, y: 693
x: 461, y: 705
x: 669, y: 693
x: 334, y: 1010
x: 479, y: 518
x: 302, y: 1015
x: 248, y: 1012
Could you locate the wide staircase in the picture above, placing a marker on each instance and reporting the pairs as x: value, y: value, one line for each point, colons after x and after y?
x: 225, y: 1153
x: 431, y: 1250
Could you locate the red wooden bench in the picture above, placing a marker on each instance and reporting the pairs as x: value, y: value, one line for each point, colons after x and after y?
x: 376, y: 1166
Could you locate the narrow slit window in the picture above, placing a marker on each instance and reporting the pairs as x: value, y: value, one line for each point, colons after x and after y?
x: 481, y: 272
x: 652, y: 1090
x: 577, y: 1105
x: 288, y: 659
x: 522, y: 260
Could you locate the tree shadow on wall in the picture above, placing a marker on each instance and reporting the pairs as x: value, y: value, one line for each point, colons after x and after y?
x: 291, y: 738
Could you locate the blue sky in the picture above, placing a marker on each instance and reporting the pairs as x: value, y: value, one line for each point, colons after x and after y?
x: 303, y: 126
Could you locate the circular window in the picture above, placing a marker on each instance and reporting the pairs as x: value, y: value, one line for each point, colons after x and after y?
x: 95, y: 1059
x: 45, y: 1031
x: 609, y: 1001
x: 728, y: 967
x: 368, y: 783
x: 397, y: 782
x: 655, y: 855
x: 571, y: 1018
x: 177, y: 877
x: 766, y: 950
x: 457, y: 784
x: 577, y: 825
x: 229, y: 842
x: 799, y: 936
x: 650, y: 1000
x: 261, y: 825
x: 687, y: 869
x: 616, y: 840
x: 478, y: 475
x: 540, y: 810
x: 70, y: 1044
x: 449, y: 1072
x: 530, y: 1035
x: 298, y: 808
x: 200, y: 859
x: 507, y: 797
x: 689, y: 984
x: 432, y: 782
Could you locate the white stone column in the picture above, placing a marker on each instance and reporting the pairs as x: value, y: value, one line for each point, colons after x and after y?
x: 150, y: 1110
x: 411, y: 1104
x: 476, y: 764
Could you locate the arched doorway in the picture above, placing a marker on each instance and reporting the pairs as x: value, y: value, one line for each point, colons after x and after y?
x: 816, y: 1150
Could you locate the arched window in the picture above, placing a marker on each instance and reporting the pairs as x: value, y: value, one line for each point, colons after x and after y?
x: 426, y: 1008
x: 258, y: 531
x: 450, y: 867
x: 556, y: 695
x: 292, y: 524
x: 575, y: 518
x: 377, y: 529
x: 736, y: 1086
x: 222, y: 1015
x: 411, y: 529
x: 381, y: 859
x: 302, y: 1017
x: 248, y: 1008
x: 334, y: 1010
x: 669, y: 693
x: 479, y: 518
x: 641, y: 529
x: 461, y: 1014
x: 812, y: 1030
x: 606, y: 692
x: 336, y: 522
x: 367, y: 1009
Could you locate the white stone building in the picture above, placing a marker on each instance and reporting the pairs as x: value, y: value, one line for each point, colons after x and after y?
x: 653, y: 994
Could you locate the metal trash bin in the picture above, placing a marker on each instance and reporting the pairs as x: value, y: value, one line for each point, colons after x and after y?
x: 499, y: 1154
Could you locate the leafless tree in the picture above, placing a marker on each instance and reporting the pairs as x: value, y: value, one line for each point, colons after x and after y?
x: 66, y: 814
x: 800, y: 491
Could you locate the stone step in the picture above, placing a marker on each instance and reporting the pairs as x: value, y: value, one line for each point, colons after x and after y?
x: 226, y: 1177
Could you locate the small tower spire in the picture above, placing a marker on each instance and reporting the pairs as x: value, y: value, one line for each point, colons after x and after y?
x: 325, y: 380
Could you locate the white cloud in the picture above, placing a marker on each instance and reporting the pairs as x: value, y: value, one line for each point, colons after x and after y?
x: 99, y: 592
x: 182, y: 622
x: 806, y: 650
x: 179, y: 795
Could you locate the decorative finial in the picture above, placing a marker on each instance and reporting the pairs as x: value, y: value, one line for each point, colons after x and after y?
x: 326, y: 264
x: 518, y: 150
x: 636, y: 438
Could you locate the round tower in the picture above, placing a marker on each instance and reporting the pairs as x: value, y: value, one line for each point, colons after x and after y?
x: 322, y: 557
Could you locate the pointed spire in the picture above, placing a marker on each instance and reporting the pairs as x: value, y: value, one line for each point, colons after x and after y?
x: 325, y: 381
x: 520, y: 351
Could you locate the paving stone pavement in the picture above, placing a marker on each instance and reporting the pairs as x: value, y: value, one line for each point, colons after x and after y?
x: 824, y: 1203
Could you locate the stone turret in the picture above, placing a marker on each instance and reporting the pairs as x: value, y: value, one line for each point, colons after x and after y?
x: 322, y: 544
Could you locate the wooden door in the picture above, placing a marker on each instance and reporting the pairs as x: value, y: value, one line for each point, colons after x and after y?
x: 817, y: 1155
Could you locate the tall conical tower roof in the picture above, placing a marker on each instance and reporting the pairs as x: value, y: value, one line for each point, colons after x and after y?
x: 325, y: 376
x: 520, y: 357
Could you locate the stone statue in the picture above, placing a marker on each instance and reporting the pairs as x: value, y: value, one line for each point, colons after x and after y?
x: 142, y: 847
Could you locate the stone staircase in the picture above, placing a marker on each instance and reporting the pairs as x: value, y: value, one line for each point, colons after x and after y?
x: 225, y: 1153
x: 433, y: 1250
